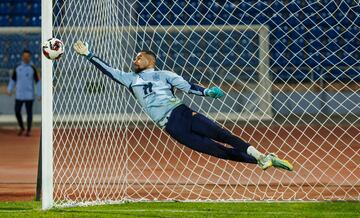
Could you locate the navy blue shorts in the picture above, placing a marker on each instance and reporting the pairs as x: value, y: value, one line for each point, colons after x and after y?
x: 201, y: 134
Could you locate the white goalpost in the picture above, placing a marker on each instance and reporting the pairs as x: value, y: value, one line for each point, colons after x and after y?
x: 47, y: 110
x: 99, y: 146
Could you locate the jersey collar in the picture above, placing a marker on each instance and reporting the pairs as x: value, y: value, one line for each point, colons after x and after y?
x: 147, y: 70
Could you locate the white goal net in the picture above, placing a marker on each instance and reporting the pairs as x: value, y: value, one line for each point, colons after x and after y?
x: 290, y: 70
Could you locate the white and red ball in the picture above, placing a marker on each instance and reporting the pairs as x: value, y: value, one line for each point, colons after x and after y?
x: 53, y: 48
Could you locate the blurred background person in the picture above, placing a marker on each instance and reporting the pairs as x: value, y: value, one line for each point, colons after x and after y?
x: 23, y: 79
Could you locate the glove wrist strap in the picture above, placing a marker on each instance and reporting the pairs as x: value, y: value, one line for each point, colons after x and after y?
x: 205, y: 92
x: 90, y: 55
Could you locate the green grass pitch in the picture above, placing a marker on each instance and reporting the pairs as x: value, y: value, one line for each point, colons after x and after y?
x: 176, y: 209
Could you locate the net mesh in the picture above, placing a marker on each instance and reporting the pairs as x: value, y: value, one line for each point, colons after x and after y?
x: 290, y: 70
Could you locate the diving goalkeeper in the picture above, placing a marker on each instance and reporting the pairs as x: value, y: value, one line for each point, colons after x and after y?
x: 155, y: 92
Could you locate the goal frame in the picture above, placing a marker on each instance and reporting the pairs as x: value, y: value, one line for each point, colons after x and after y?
x: 263, y: 89
x: 47, y: 109
x: 143, y: 163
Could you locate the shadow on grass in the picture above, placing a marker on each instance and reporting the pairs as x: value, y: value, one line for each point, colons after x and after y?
x: 19, y: 206
x: 105, y: 213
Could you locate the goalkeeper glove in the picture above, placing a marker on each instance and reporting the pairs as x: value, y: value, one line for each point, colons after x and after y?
x: 214, y: 92
x: 82, y: 49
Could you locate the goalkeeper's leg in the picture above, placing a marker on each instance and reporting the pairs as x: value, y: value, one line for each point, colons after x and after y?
x: 207, y: 146
x: 206, y: 127
x: 179, y: 126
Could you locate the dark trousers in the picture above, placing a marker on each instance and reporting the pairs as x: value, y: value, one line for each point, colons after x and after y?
x: 201, y: 134
x: 29, y: 111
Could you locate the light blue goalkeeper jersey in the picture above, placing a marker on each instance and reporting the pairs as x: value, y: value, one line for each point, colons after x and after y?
x: 23, y: 78
x: 153, y: 89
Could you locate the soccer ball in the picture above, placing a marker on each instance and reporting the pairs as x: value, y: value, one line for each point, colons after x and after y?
x: 53, y: 48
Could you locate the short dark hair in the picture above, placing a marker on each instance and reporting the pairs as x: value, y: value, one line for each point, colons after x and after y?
x: 148, y: 52
x: 26, y: 51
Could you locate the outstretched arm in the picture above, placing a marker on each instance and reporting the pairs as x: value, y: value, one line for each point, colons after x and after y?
x: 180, y: 83
x: 115, y: 74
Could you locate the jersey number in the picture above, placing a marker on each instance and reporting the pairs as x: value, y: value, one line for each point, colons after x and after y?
x: 147, y: 88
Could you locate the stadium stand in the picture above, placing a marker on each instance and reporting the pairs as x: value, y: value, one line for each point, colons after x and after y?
x: 308, y: 34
